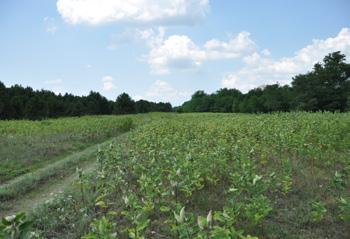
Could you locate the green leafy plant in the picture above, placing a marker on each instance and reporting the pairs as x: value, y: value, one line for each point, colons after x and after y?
x: 101, y: 229
x: 339, y: 180
x: 257, y: 209
x: 136, y: 214
x: 15, y: 226
x: 318, y: 211
x: 344, y: 207
x: 181, y: 225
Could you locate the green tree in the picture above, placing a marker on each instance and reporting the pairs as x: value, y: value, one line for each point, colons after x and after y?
x: 326, y: 87
x: 3, y: 100
x: 124, y: 105
x: 36, y: 108
x: 276, y: 98
x: 348, y: 104
x: 143, y: 106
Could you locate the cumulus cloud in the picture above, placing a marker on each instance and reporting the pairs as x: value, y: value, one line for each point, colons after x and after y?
x: 234, y: 48
x: 179, y: 51
x: 261, y: 69
x: 108, y: 83
x: 165, y: 92
x: 95, y: 12
x: 175, y: 52
x: 134, y: 36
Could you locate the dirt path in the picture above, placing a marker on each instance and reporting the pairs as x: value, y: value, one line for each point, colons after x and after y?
x: 46, y: 191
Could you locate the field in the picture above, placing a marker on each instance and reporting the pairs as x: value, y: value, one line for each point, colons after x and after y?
x: 282, y: 175
x: 27, y: 145
x: 37, y: 154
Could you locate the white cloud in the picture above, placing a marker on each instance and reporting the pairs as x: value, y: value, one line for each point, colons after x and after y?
x: 124, y: 38
x: 179, y: 51
x: 261, y: 69
x: 165, y: 92
x: 175, y: 52
x: 50, y: 25
x: 108, y: 83
x: 133, y: 36
x: 234, y: 48
x: 55, y: 85
x: 95, y: 12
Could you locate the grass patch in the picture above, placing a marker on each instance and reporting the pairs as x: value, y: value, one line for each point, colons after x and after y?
x: 26, y: 146
x: 66, y: 215
x: 57, y: 169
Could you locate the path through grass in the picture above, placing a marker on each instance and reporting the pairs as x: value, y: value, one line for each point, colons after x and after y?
x: 30, y: 190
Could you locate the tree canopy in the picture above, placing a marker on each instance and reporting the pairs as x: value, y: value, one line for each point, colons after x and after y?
x: 325, y: 88
x: 17, y: 102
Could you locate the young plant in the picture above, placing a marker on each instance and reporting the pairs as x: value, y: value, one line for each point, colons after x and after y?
x: 136, y: 214
x: 344, y: 207
x: 181, y: 226
x: 15, y: 227
x: 224, y: 227
x: 318, y: 211
x: 339, y: 180
x: 257, y: 209
x: 205, y: 225
x: 101, y: 229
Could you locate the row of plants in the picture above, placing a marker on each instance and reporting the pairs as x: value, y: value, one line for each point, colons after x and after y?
x: 227, y: 176
x: 214, y: 176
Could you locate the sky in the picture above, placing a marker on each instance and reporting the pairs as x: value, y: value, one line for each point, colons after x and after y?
x: 165, y: 50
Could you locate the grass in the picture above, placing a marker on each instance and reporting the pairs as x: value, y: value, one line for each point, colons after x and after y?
x: 64, y: 216
x: 26, y: 146
x: 60, y: 168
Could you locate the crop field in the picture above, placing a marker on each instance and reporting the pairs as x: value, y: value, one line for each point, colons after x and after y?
x: 281, y: 175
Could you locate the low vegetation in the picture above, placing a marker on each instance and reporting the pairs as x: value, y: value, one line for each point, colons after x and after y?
x: 58, y: 169
x: 280, y: 175
x: 26, y: 146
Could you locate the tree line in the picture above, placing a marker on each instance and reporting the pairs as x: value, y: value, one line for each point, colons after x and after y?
x: 17, y: 102
x: 325, y: 88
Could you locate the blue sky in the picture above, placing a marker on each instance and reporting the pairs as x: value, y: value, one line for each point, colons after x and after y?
x: 164, y: 50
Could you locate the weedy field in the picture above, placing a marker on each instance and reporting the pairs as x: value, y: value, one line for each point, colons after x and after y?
x: 36, y: 155
x: 28, y: 145
x: 282, y: 175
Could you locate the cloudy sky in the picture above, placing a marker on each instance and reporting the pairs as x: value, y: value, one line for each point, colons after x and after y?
x: 164, y: 50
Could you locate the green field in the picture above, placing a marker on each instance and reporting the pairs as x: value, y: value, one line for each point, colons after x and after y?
x: 281, y: 175
x: 27, y: 145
